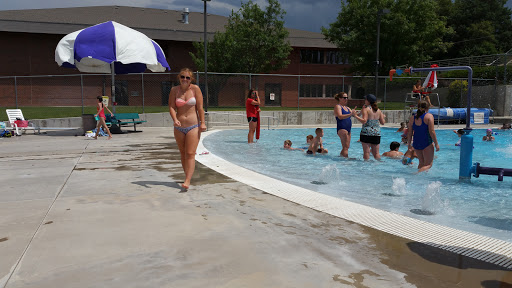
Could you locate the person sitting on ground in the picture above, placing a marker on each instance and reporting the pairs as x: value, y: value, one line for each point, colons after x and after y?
x: 505, y: 126
x: 402, y: 127
x: 393, y: 151
x: 459, y: 133
x: 409, y: 156
x: 288, y: 146
x: 488, y: 136
x: 317, y: 145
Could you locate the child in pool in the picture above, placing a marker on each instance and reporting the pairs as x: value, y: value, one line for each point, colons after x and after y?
x: 459, y: 133
x: 288, y: 146
x: 393, y: 152
x: 488, y: 136
x: 402, y: 127
x: 317, y: 146
x: 409, y: 156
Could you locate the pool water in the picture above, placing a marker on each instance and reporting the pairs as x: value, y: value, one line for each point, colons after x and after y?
x: 482, y: 206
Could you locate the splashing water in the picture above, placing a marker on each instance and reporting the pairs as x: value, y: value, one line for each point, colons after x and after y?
x: 432, y: 200
x: 399, y: 186
x: 329, y: 174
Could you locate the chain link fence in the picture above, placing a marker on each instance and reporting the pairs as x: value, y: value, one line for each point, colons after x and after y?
x: 59, y: 96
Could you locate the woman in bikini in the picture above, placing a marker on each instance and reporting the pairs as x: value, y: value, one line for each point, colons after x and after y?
x: 421, y: 132
x: 101, y: 118
x: 186, y: 109
x: 344, y: 122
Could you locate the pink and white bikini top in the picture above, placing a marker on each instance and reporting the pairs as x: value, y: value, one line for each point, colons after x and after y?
x: 191, y: 101
x: 180, y: 102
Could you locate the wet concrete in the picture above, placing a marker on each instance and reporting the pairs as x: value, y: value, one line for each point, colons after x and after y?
x: 76, y: 212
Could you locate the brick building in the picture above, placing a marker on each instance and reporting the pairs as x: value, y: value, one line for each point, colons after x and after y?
x: 29, y: 38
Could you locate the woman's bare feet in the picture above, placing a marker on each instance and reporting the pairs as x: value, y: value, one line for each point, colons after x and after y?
x: 109, y: 137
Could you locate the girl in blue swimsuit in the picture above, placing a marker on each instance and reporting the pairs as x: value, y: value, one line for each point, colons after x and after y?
x: 421, y: 130
x: 186, y: 109
x: 344, y: 122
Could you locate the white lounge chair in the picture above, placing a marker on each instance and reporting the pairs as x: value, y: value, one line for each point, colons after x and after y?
x: 13, y: 115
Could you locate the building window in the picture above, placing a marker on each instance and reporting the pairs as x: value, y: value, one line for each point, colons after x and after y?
x: 334, y: 57
x: 331, y: 90
x: 311, y: 90
x: 312, y: 56
x: 322, y: 57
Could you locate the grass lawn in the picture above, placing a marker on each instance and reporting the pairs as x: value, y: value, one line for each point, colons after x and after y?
x: 66, y: 112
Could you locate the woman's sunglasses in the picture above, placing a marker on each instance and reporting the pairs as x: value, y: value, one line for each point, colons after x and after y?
x: 344, y: 97
x: 184, y: 77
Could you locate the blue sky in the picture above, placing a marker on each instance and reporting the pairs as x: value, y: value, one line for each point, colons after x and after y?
x: 308, y: 15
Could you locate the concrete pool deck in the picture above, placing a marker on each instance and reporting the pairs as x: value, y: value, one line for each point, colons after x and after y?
x: 76, y: 212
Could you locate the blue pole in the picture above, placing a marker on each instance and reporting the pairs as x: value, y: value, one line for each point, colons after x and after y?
x: 466, y: 155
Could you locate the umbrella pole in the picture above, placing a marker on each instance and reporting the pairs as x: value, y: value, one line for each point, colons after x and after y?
x: 113, y: 87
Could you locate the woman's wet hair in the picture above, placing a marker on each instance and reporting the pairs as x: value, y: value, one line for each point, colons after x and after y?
x: 338, y: 96
x: 289, y: 142
x: 187, y: 70
x: 422, y: 108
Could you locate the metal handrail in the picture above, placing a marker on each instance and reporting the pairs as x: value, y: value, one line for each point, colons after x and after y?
x: 274, y: 118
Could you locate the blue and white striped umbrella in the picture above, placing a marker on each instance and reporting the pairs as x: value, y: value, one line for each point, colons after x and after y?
x: 95, y: 48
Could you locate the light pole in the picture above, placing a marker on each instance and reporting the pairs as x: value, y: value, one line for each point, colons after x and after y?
x: 205, y: 57
x: 377, y: 64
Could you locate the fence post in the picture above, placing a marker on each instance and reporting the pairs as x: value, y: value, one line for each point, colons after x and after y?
x: 82, y: 87
x: 385, y: 91
x: 298, y: 94
x: 250, y: 81
x: 142, y: 80
x: 16, y: 91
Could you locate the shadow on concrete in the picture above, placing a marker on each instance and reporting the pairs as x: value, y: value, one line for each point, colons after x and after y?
x: 451, y: 259
x: 495, y: 284
x: 174, y: 184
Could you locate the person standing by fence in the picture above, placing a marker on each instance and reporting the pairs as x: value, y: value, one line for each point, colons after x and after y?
x: 252, y: 108
x: 100, y: 116
x: 186, y: 109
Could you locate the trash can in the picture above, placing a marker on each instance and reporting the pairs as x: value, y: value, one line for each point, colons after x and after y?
x: 88, y: 122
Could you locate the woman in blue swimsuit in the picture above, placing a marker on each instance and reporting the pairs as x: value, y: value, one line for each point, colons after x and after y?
x: 186, y: 109
x: 421, y: 130
x: 344, y: 122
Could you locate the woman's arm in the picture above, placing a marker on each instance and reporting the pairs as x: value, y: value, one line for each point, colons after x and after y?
x: 382, y: 121
x: 172, y: 106
x: 364, y: 115
x: 199, y: 107
x: 431, y: 130
x: 99, y: 109
x: 338, y: 113
x: 111, y: 114
x: 409, y: 132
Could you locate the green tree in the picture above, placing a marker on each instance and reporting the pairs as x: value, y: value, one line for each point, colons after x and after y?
x: 254, y: 42
x: 482, y: 28
x: 411, y: 33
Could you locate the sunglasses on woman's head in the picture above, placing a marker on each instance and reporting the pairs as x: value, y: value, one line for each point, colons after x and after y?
x: 184, y: 77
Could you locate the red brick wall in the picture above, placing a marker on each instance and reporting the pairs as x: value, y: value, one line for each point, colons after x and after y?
x: 25, y: 54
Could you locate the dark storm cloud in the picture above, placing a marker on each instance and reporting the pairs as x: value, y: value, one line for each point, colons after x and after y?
x: 300, y: 14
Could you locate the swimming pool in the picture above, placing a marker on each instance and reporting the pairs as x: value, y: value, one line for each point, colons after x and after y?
x: 482, y: 206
